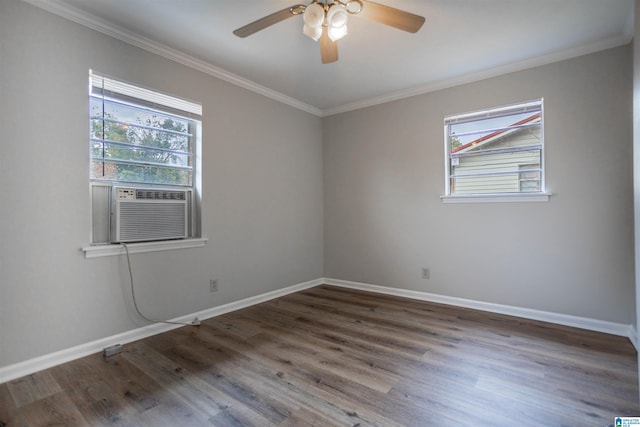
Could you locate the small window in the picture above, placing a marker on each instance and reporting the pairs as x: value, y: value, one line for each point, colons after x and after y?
x: 142, y: 142
x: 495, y: 152
x: 141, y: 136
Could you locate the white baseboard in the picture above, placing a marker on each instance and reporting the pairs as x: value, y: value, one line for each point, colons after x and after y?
x: 31, y: 366
x: 11, y: 372
x: 612, y: 328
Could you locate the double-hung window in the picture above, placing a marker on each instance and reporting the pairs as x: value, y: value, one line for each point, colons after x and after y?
x: 495, y: 152
x: 143, y: 140
x: 141, y: 136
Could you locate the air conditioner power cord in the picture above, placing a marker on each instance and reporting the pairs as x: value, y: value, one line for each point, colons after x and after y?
x: 194, y: 322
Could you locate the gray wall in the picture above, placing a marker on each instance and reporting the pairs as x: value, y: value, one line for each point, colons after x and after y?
x: 383, y: 178
x: 262, y: 192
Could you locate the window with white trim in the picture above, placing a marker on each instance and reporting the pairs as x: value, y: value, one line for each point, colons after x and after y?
x: 495, y: 152
x: 142, y: 139
x: 142, y: 136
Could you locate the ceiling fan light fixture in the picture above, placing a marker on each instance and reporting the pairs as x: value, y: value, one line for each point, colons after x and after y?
x: 313, y: 15
x: 337, y: 18
x: 336, y: 33
x: 313, y: 32
x: 313, y: 18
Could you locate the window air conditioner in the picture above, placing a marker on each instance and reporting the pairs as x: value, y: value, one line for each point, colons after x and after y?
x: 145, y: 214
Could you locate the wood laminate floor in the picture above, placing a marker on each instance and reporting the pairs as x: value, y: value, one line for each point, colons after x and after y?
x: 332, y: 356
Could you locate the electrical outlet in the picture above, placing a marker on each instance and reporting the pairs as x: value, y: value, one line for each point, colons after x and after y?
x: 426, y: 273
x: 213, y: 285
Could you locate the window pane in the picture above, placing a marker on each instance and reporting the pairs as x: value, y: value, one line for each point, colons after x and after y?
x: 110, y: 151
x: 122, y: 135
x: 495, y: 151
x: 95, y: 106
x: 509, y: 131
x: 137, y: 173
x: 496, y: 163
x: 530, y: 185
x: 529, y: 181
x: 486, y: 184
x: 491, y: 184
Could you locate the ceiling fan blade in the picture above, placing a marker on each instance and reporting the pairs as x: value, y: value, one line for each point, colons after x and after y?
x: 393, y: 17
x: 269, y: 20
x: 328, y: 48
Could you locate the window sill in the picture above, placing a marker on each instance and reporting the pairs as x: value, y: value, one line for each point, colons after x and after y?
x: 134, y: 248
x: 497, y: 198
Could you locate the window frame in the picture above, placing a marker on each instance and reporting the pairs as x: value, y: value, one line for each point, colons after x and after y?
x: 165, y: 105
x: 494, y: 113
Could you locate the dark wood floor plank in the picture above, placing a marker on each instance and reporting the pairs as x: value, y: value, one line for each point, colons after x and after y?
x: 278, y: 314
x: 360, y: 349
x: 170, y: 339
x: 243, y: 328
x: 33, y: 388
x: 53, y: 410
x: 272, y: 369
x: 335, y: 356
x: 350, y: 397
x: 367, y: 325
x: 304, y: 349
x: 108, y: 391
x: 306, y: 418
x: 225, y: 371
x: 8, y: 407
x: 199, y: 399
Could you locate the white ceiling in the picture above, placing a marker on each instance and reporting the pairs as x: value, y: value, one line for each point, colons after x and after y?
x: 461, y: 41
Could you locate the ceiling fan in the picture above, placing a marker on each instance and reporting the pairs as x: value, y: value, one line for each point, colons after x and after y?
x: 326, y: 21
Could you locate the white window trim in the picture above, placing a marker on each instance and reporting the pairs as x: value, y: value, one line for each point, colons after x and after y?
x: 98, y: 251
x: 497, y: 198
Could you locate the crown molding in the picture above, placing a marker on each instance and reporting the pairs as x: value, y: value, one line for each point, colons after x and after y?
x: 129, y: 37
x: 485, y: 74
x: 134, y: 39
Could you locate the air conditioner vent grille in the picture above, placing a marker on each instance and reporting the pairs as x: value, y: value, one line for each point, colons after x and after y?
x: 160, y: 195
x: 146, y: 214
x: 144, y: 221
